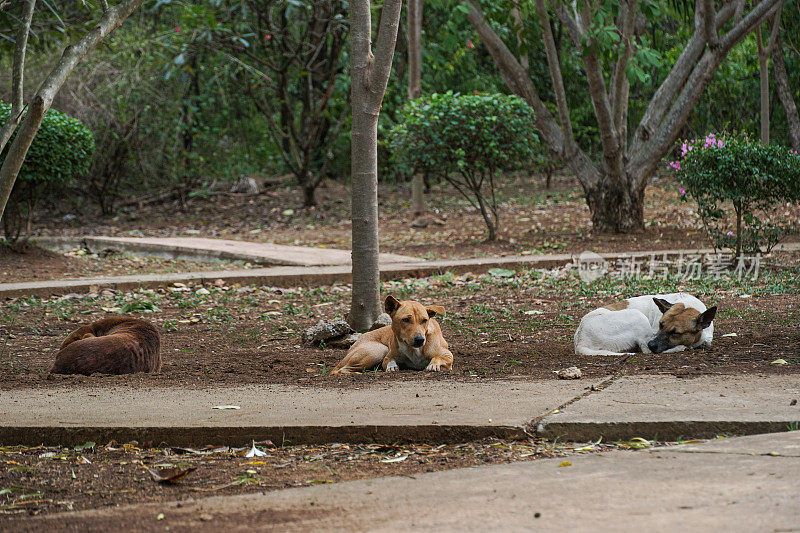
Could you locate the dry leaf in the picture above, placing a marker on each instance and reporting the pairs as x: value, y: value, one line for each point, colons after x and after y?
x: 170, y: 475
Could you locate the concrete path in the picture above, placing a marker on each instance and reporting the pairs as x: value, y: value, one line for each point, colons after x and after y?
x: 660, y: 407
x: 743, y: 484
x: 391, y: 412
x: 293, y: 276
x: 666, y: 407
x: 203, y: 249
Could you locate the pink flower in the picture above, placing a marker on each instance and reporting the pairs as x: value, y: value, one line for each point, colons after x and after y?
x: 177, y: 28
x: 729, y: 234
x: 676, y: 165
x: 682, y: 191
x: 470, y: 45
x: 268, y: 37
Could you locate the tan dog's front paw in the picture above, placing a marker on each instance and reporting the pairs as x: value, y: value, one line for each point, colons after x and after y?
x: 391, y: 366
x: 433, y: 367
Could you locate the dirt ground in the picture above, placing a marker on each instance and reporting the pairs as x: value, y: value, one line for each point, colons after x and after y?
x: 501, y: 325
x: 52, y: 479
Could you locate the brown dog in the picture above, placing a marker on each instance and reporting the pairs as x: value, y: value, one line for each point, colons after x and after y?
x: 116, y: 345
x: 414, y: 340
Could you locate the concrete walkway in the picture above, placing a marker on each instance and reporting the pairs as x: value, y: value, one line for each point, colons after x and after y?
x: 744, y: 484
x: 213, y: 250
x: 293, y: 276
x: 429, y: 411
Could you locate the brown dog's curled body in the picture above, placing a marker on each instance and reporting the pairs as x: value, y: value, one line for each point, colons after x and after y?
x: 414, y: 340
x: 116, y: 345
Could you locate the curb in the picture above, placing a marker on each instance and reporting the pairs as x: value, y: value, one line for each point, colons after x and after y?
x: 667, y: 430
x: 237, y: 436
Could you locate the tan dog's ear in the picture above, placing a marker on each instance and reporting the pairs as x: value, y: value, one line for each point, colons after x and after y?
x: 662, y: 304
x: 391, y: 304
x: 705, y: 318
x: 434, y: 310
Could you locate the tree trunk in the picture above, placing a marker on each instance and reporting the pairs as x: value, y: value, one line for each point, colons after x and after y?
x: 785, y: 93
x: 616, y: 207
x: 414, y: 28
x: 18, y: 75
x: 763, y: 79
x: 631, y: 161
x: 370, y: 75
x: 43, y: 99
x: 309, y: 194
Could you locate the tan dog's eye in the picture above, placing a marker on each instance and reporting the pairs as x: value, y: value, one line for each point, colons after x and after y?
x: 424, y: 320
x: 407, y: 320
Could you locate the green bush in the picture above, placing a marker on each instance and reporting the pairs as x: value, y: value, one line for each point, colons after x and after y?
x: 468, y: 140
x: 738, y: 183
x: 62, y: 150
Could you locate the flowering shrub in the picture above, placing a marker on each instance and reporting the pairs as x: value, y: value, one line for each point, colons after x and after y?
x: 738, y: 183
x: 467, y: 139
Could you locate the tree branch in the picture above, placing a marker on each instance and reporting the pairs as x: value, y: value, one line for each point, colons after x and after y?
x: 676, y: 79
x: 645, y: 160
x: 43, y: 99
x: 619, y: 87
x: 555, y: 76
x: 384, y: 51
x: 18, y: 74
x: 609, y: 138
x: 520, y: 83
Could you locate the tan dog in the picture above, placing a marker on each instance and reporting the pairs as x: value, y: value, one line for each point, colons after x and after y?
x: 115, y: 345
x: 414, y: 340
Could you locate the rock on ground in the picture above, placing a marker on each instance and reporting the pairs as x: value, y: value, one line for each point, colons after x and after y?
x: 326, y: 331
x: 383, y: 320
x: 344, y: 342
x: 572, y: 372
x: 245, y: 185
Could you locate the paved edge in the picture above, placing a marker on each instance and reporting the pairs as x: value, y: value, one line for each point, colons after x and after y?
x: 293, y: 276
x: 665, y: 430
x: 240, y: 436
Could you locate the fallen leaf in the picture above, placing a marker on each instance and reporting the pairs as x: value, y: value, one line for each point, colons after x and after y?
x: 779, y: 362
x: 730, y: 335
x: 255, y: 452
x: 160, y: 516
x: 395, y: 459
x: 170, y: 475
x: 226, y: 407
x: 565, y: 463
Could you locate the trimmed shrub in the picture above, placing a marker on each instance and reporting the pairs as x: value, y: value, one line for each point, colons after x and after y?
x: 468, y: 140
x: 738, y: 183
x: 61, y: 151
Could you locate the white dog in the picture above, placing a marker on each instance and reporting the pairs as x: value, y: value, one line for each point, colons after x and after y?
x: 648, y: 324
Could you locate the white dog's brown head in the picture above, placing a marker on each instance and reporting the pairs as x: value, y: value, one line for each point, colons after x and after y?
x: 679, y: 326
x: 411, y: 320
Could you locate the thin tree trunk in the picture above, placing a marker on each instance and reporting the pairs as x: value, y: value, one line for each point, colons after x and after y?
x: 370, y: 74
x: 785, y: 93
x: 43, y: 99
x: 18, y: 75
x: 414, y: 29
x: 764, y: 52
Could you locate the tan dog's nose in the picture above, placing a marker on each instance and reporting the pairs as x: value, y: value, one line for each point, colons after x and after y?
x: 418, y: 341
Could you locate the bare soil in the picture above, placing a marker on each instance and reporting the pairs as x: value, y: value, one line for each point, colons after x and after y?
x: 50, y: 479
x: 517, y: 327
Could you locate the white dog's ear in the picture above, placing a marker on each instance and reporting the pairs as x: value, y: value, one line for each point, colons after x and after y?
x: 391, y: 304
x: 434, y: 310
x: 662, y: 304
x: 705, y: 318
